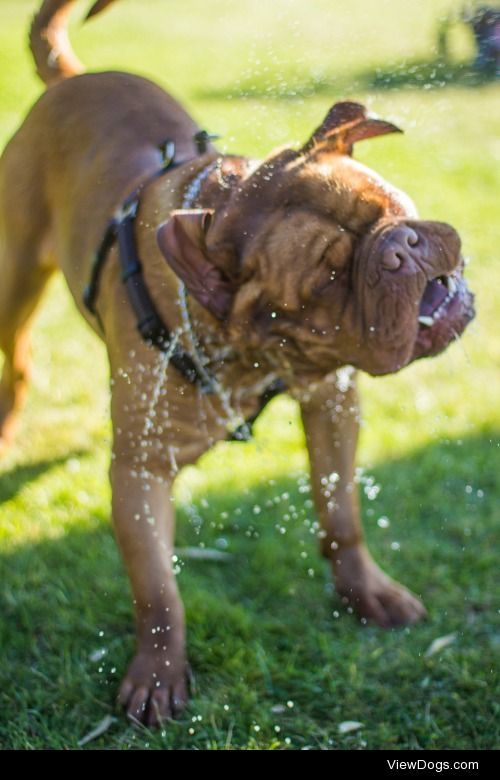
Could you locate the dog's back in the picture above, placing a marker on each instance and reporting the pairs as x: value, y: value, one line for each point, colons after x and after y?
x: 84, y: 145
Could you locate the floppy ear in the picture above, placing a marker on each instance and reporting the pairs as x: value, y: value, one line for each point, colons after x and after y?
x: 182, y: 243
x: 345, y: 124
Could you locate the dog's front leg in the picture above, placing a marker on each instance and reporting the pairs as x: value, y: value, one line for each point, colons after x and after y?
x: 330, y: 418
x: 154, y: 687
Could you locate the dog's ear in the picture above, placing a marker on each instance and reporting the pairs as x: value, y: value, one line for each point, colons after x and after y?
x: 98, y: 6
x: 346, y: 123
x: 182, y: 240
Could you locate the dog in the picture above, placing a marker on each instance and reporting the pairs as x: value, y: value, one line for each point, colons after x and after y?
x: 216, y: 282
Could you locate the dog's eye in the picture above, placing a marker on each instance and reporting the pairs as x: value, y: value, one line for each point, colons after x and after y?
x: 327, y: 256
x: 336, y: 254
x: 324, y: 278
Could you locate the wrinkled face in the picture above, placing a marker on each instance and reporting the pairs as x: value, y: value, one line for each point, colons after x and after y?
x: 323, y: 263
x: 335, y: 269
x: 410, y: 289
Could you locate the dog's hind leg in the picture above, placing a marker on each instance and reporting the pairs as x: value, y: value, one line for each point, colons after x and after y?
x: 19, y: 297
x: 24, y: 272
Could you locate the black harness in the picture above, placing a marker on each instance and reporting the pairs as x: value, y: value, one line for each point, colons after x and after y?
x: 149, y: 323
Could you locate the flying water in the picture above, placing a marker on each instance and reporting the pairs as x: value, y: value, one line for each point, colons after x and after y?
x: 160, y: 371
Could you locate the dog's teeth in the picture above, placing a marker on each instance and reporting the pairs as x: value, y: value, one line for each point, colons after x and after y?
x: 452, y: 285
x: 427, y: 321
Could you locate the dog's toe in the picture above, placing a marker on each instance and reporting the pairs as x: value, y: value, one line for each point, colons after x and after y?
x: 137, y: 706
x: 400, y: 607
x: 153, y: 692
x: 373, y: 595
x: 125, y: 693
x: 159, y: 707
x: 179, y: 698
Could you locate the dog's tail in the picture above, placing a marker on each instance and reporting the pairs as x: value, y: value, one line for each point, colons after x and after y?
x: 49, y: 41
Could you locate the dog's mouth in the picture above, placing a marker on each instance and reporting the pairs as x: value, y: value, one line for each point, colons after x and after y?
x: 438, y: 298
x: 445, y: 310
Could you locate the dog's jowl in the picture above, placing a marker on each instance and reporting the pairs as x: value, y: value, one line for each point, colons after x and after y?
x: 228, y: 280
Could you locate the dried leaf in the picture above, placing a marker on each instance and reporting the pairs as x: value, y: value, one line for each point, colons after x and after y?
x: 202, y: 554
x: 349, y: 725
x: 97, y: 655
x: 439, y: 644
x: 101, y: 728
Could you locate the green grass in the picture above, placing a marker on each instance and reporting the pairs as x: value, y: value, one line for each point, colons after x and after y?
x: 265, y: 629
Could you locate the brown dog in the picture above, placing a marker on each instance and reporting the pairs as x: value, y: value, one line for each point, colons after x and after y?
x: 284, y: 270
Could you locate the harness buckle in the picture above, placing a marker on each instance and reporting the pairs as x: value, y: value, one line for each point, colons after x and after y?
x: 167, y: 150
x: 128, y: 210
x: 202, y: 138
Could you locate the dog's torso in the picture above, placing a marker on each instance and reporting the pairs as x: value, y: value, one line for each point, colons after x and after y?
x: 92, y: 155
x: 94, y: 149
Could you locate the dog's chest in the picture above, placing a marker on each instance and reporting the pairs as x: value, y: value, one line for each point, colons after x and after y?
x: 163, y: 417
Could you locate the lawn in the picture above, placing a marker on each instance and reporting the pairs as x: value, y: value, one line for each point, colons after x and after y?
x: 278, y: 663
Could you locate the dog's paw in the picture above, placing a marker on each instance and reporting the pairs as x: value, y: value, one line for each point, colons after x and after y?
x: 155, y: 688
x: 388, y: 605
x: 373, y: 595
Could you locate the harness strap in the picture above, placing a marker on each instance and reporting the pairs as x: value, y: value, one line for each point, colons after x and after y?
x: 130, y: 205
x: 244, y: 432
x: 92, y: 289
x: 149, y: 323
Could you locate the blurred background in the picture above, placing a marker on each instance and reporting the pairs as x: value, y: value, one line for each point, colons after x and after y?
x: 263, y: 74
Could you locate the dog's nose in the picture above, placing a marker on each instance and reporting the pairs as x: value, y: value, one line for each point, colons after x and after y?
x: 397, y: 250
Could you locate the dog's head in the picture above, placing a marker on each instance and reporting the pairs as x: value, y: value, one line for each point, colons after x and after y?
x: 316, y: 257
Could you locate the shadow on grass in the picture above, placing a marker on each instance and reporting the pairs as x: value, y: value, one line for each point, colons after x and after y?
x: 427, y: 74
x: 261, y: 630
x: 407, y: 74
x: 12, y: 481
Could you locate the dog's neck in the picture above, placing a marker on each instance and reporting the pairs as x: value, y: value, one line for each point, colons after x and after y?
x: 207, y: 182
x: 211, y: 188
x: 245, y: 370
x: 214, y: 184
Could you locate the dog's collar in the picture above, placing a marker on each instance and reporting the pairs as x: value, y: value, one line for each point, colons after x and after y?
x: 149, y: 323
x: 190, y: 197
x: 242, y: 432
x: 129, y: 209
